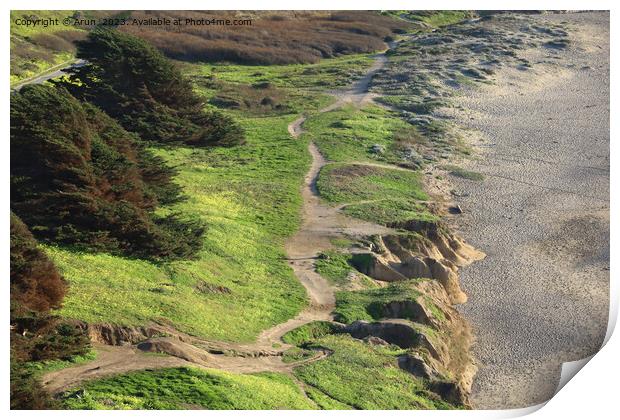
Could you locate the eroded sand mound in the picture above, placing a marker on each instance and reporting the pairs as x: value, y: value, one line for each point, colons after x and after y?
x: 429, y: 251
x: 436, y: 337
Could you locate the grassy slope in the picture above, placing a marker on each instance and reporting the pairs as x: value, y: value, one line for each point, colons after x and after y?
x: 308, y: 332
x: 334, y: 266
x: 377, y: 194
x: 366, y: 377
x: 45, y: 366
x: 328, y: 74
x: 433, y: 19
x: 348, y: 134
x: 337, y: 267
x: 368, y: 304
x: 20, y: 38
x: 345, y: 183
x: 249, y: 197
x: 186, y: 388
x: 443, y: 18
x: 357, y: 374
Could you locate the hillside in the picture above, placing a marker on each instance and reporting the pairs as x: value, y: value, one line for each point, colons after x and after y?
x: 38, y: 48
x: 247, y: 217
x: 264, y: 37
x: 284, y: 37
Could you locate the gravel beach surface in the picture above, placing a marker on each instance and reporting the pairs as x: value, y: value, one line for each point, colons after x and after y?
x: 541, y: 215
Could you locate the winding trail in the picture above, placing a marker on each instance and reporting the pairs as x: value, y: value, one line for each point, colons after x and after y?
x: 320, y: 224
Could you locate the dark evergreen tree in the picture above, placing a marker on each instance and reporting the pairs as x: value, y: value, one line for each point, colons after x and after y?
x: 78, y: 178
x: 135, y: 84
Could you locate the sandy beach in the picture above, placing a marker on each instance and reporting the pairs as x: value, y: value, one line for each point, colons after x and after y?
x: 541, y: 215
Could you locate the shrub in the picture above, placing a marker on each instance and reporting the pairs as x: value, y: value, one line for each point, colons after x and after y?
x: 53, y: 42
x: 40, y: 337
x: 26, y: 391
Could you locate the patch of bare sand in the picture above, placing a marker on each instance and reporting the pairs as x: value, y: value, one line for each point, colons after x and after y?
x: 541, y: 296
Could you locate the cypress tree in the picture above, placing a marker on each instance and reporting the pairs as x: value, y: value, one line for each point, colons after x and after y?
x: 136, y: 85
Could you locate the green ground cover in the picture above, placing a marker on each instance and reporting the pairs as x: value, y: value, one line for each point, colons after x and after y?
x: 349, y: 134
x: 440, y: 18
x: 388, y: 211
x: 187, y: 388
x: 337, y: 266
x: 381, y: 195
x: 328, y: 74
x: 46, y: 366
x: 308, y: 332
x: 350, y: 137
x: 364, y: 376
x: 296, y: 354
x: 350, y: 183
x: 324, y: 401
x: 432, y: 18
x: 334, y: 266
x: 367, y: 305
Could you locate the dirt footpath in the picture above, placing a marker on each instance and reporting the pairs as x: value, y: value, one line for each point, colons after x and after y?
x: 541, y: 215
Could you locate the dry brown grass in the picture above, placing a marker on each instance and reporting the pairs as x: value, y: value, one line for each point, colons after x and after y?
x: 273, y: 37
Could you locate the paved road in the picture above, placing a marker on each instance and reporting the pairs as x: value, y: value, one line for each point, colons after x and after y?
x: 541, y: 215
x: 52, y: 73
